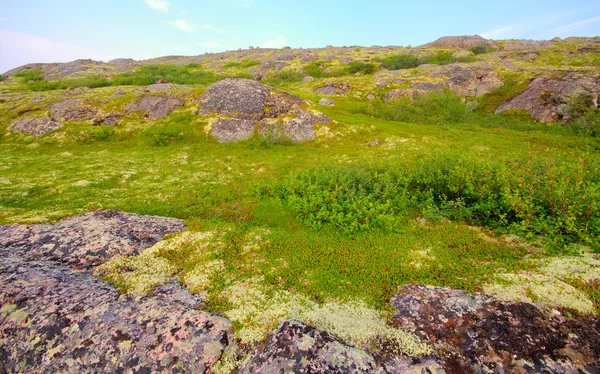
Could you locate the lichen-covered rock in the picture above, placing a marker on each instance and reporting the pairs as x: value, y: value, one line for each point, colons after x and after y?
x: 548, y: 99
x: 477, y: 333
x: 54, y: 319
x: 326, y: 102
x: 243, y: 107
x: 334, y: 88
x: 285, y: 57
x: 156, y: 107
x: 36, y: 126
x: 297, y: 348
x: 111, y: 119
x: 161, y: 87
x: 88, y: 239
x: 268, y: 65
x: 72, y: 110
x: 467, y: 79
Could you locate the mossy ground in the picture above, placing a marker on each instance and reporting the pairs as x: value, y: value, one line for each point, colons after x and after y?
x: 171, y: 167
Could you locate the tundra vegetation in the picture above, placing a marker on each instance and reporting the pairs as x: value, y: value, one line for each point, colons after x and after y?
x: 435, y: 189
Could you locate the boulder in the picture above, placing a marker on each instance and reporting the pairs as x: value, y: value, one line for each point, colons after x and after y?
x: 54, y: 319
x: 112, y: 119
x: 285, y: 57
x: 334, y: 88
x: 477, y: 333
x: 466, y: 42
x: 36, y: 126
x: 326, y: 102
x: 156, y: 107
x: 268, y: 65
x: 468, y: 79
x: 243, y: 106
x: 118, y: 93
x: 297, y: 348
x: 87, y: 239
x: 72, y: 110
x: 547, y: 99
x: 308, y: 78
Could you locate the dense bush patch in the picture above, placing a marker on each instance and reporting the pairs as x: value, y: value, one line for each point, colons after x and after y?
x: 558, y: 200
x: 406, y: 61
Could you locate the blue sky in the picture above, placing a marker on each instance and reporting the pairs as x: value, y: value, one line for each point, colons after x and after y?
x: 64, y: 30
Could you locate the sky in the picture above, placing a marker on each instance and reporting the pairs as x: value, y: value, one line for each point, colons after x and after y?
x: 65, y: 30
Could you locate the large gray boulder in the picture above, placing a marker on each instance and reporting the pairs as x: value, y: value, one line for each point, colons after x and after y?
x: 87, y: 239
x: 72, y: 110
x: 36, y: 126
x: 156, y: 107
x: 549, y: 99
x: 243, y: 107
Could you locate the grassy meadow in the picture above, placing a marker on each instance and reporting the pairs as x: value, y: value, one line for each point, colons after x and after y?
x: 449, y: 197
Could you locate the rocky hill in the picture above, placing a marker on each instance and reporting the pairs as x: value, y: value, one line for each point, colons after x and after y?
x: 431, y: 209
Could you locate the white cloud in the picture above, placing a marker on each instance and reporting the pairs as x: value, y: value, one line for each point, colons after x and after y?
x: 182, y: 25
x: 26, y: 49
x: 501, y: 32
x: 160, y: 5
x: 212, y: 28
x: 210, y: 45
x: 278, y: 42
x: 576, y: 25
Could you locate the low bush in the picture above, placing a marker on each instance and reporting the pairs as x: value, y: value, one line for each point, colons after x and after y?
x: 242, y: 64
x: 558, y: 200
x: 480, y: 49
x: 406, y: 61
x: 316, y: 69
x: 364, y: 68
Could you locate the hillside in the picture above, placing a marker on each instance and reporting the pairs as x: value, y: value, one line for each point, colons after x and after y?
x: 347, y: 209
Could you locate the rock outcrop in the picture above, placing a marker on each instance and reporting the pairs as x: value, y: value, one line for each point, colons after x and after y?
x: 156, y: 107
x: 54, y: 319
x: 87, y: 239
x: 72, y: 110
x: 465, y: 41
x: 334, y: 88
x: 36, y: 126
x: 477, y: 333
x: 468, y: 80
x: 243, y: 106
x: 551, y: 99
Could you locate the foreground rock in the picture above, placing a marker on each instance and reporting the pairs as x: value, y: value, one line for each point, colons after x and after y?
x: 88, y: 239
x: 243, y: 107
x: 54, y: 319
x: 36, y: 126
x: 551, y: 100
x: 477, y: 333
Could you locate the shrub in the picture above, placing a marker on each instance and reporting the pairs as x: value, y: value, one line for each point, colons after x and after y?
x: 316, y: 69
x: 365, y: 68
x: 242, y: 64
x: 147, y: 75
x: 559, y: 200
x: 480, y: 49
x: 398, y: 62
x: 29, y: 76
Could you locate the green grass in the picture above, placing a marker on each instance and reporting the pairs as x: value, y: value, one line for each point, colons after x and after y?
x: 406, y: 61
x: 244, y: 64
x: 344, y: 220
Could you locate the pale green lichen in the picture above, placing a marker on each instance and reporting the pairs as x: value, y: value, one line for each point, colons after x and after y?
x: 257, y: 312
x: 540, y: 289
x: 586, y: 267
x: 140, y: 274
x: 198, y: 280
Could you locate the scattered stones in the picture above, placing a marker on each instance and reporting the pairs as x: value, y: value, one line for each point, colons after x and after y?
x: 477, y: 333
x: 243, y: 106
x: 161, y: 87
x: 54, y: 319
x: 547, y: 99
x: 87, y: 239
x: 72, y: 110
x: 334, y: 88
x: 268, y: 65
x: 35, y: 126
x: 531, y: 45
x: 326, y: 102
x: 156, y: 107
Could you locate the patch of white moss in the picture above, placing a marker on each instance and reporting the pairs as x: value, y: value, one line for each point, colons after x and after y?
x: 540, y: 289
x: 585, y: 267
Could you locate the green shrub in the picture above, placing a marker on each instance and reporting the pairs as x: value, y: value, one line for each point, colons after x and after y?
x: 559, y: 200
x: 242, y: 64
x: 147, y: 75
x: 480, y: 49
x: 398, y: 62
x: 440, y: 58
x: 316, y: 69
x: 2, y: 78
x: 30, y: 76
x: 364, y: 68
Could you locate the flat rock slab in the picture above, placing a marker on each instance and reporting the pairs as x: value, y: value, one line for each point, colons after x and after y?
x: 35, y: 126
x: 87, y: 239
x: 477, y: 333
x: 72, y: 110
x: 156, y: 107
x: 57, y: 320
